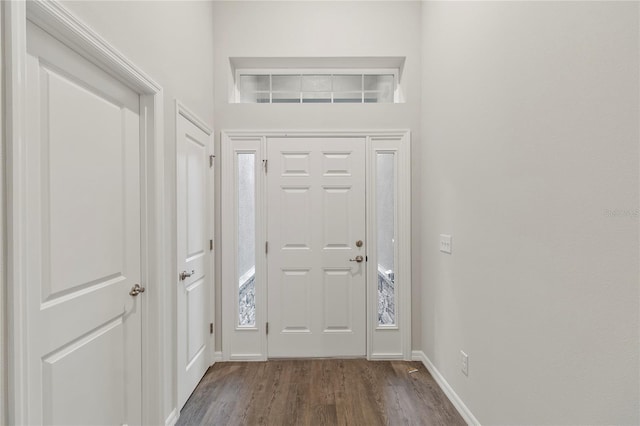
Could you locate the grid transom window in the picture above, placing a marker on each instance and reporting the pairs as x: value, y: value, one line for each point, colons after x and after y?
x: 316, y: 87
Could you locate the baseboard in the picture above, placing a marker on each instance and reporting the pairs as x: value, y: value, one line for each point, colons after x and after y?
x: 173, y: 418
x: 386, y: 356
x: 246, y: 357
x: 457, y: 402
x: 217, y: 356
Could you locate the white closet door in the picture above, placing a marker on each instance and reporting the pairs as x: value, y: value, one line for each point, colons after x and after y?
x: 194, y: 259
x: 84, y: 229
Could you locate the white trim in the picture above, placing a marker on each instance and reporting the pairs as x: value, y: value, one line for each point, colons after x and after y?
x: 173, y: 418
x: 244, y: 134
x: 217, y: 356
x: 247, y: 357
x: 457, y: 402
x: 58, y: 21
x: 233, y: 335
x: 383, y: 339
x: 182, y: 110
x: 386, y: 357
x: 403, y: 270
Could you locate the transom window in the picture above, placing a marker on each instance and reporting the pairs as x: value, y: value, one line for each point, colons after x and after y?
x: 313, y: 86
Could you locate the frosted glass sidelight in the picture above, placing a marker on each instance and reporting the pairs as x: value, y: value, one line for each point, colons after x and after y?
x: 385, y: 231
x: 246, y: 239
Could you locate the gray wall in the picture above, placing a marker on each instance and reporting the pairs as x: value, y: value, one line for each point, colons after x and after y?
x: 530, y: 141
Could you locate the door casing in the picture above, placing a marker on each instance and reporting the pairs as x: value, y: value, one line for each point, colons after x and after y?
x: 58, y: 21
x: 250, y: 343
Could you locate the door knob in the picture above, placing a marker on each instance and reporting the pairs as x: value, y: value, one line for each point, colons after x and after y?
x: 136, y: 290
x: 184, y: 274
x: 357, y: 259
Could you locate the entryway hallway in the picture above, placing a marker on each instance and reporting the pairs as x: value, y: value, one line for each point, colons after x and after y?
x: 319, y: 392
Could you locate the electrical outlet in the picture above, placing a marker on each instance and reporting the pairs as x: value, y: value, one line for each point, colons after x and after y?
x: 464, y: 363
x: 445, y: 243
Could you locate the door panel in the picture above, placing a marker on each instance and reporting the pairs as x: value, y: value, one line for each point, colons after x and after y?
x: 83, y: 198
x: 193, y: 293
x: 316, y: 213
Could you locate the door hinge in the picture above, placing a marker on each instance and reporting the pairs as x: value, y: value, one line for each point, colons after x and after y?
x: 265, y: 163
x: 210, y: 244
x: 266, y: 247
x: 211, y: 157
x: 210, y: 328
x: 267, y: 328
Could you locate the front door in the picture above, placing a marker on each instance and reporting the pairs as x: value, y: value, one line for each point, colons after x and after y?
x: 83, y: 241
x: 316, y: 251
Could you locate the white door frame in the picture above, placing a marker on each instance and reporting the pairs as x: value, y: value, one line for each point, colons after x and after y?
x: 58, y: 21
x: 250, y: 344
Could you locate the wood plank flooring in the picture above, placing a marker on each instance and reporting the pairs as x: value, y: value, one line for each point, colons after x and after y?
x: 318, y: 392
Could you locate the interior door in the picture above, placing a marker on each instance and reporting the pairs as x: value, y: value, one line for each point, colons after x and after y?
x: 83, y: 241
x: 316, y: 255
x: 194, y: 256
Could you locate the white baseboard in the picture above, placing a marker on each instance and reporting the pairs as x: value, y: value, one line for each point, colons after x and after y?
x: 173, y: 418
x: 386, y: 356
x: 247, y: 357
x: 457, y: 402
x: 217, y: 356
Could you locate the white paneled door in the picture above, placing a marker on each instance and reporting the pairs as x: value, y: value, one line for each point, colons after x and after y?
x: 194, y: 259
x: 316, y: 251
x: 83, y: 323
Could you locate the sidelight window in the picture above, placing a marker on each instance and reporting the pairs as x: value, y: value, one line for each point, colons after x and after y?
x: 246, y: 255
x: 385, y: 232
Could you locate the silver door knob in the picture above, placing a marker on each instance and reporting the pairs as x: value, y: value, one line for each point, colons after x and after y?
x: 357, y: 259
x: 184, y: 274
x: 136, y: 290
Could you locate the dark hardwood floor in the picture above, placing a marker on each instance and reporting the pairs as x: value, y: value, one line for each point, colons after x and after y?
x: 318, y: 392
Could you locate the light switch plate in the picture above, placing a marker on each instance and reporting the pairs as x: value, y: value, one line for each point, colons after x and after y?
x: 464, y: 363
x: 445, y: 243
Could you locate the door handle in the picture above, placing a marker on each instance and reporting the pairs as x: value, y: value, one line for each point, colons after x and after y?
x: 357, y: 259
x: 136, y: 290
x: 184, y: 274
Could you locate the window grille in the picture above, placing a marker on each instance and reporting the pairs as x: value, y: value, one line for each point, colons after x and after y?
x: 354, y: 86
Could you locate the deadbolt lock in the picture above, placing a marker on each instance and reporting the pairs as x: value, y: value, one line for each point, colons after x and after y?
x: 359, y: 243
